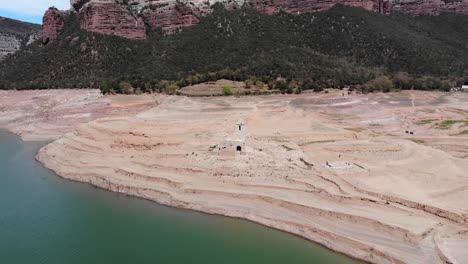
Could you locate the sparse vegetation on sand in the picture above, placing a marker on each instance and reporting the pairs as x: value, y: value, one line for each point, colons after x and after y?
x: 221, y: 87
x: 425, y: 121
x: 447, y: 124
x: 316, y: 142
x: 227, y: 90
x: 355, y: 129
x: 417, y: 141
x: 287, y: 147
x: 213, y: 147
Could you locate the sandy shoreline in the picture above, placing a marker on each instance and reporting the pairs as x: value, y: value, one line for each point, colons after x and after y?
x: 339, y: 171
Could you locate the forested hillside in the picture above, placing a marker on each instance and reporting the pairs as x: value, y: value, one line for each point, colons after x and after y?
x: 334, y: 48
x: 15, y: 35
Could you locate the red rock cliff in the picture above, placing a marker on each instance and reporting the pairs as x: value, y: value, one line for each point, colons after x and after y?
x: 306, y: 6
x: 170, y: 17
x: 111, y: 18
x: 53, y: 23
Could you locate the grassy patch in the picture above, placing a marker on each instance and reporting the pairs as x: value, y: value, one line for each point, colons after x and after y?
x: 355, y: 129
x: 227, y: 90
x: 425, y: 121
x: 446, y: 124
x: 418, y: 141
x: 465, y: 132
x: 316, y: 142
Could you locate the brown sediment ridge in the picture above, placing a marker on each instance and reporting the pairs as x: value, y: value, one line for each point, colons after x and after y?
x: 376, y: 195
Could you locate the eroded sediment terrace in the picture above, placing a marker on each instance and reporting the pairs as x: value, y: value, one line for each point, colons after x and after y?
x: 380, y: 177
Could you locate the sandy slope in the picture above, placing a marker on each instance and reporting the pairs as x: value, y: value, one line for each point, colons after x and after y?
x: 44, y: 115
x: 337, y: 170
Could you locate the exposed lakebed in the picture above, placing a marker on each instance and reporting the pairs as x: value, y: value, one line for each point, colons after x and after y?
x: 46, y: 219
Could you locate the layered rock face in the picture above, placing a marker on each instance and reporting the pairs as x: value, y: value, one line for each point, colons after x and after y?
x: 306, y: 6
x: 53, y: 22
x: 111, y: 18
x: 170, y: 18
x: 16, y: 34
x: 417, y: 7
x: 457, y: 6
x: 132, y: 18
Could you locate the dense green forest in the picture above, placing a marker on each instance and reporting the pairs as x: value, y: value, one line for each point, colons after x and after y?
x: 339, y: 47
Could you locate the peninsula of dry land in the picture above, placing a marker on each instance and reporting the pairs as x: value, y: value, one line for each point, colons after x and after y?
x: 379, y: 177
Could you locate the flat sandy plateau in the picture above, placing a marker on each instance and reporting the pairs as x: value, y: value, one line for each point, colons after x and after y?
x: 343, y: 171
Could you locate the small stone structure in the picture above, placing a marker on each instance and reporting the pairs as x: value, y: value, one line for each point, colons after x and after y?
x: 237, y: 140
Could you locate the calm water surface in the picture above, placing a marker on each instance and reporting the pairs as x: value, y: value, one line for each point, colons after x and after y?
x: 46, y: 219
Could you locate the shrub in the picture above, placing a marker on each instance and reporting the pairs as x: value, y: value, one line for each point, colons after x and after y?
x: 172, y: 88
x: 381, y: 83
x: 271, y: 85
x: 227, y: 90
x: 259, y: 85
x: 248, y: 84
x: 125, y: 88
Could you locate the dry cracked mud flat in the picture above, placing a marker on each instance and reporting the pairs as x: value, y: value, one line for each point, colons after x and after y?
x: 379, y: 177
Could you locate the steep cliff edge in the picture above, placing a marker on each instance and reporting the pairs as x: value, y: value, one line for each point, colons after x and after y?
x: 133, y: 18
x: 111, y: 19
x: 16, y: 34
x: 53, y: 21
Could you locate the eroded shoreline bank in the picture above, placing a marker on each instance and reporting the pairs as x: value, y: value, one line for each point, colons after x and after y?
x: 40, y: 206
x: 332, y: 170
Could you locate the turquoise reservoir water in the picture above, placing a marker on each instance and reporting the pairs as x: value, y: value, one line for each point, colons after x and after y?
x: 46, y: 219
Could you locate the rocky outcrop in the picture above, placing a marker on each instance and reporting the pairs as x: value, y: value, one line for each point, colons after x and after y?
x: 417, y: 7
x: 128, y: 18
x: 306, y: 6
x: 170, y: 17
x: 111, y: 18
x: 15, y: 35
x: 430, y: 7
x: 53, y: 23
x: 456, y: 6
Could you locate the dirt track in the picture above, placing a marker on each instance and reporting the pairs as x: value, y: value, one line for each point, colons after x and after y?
x: 341, y: 171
